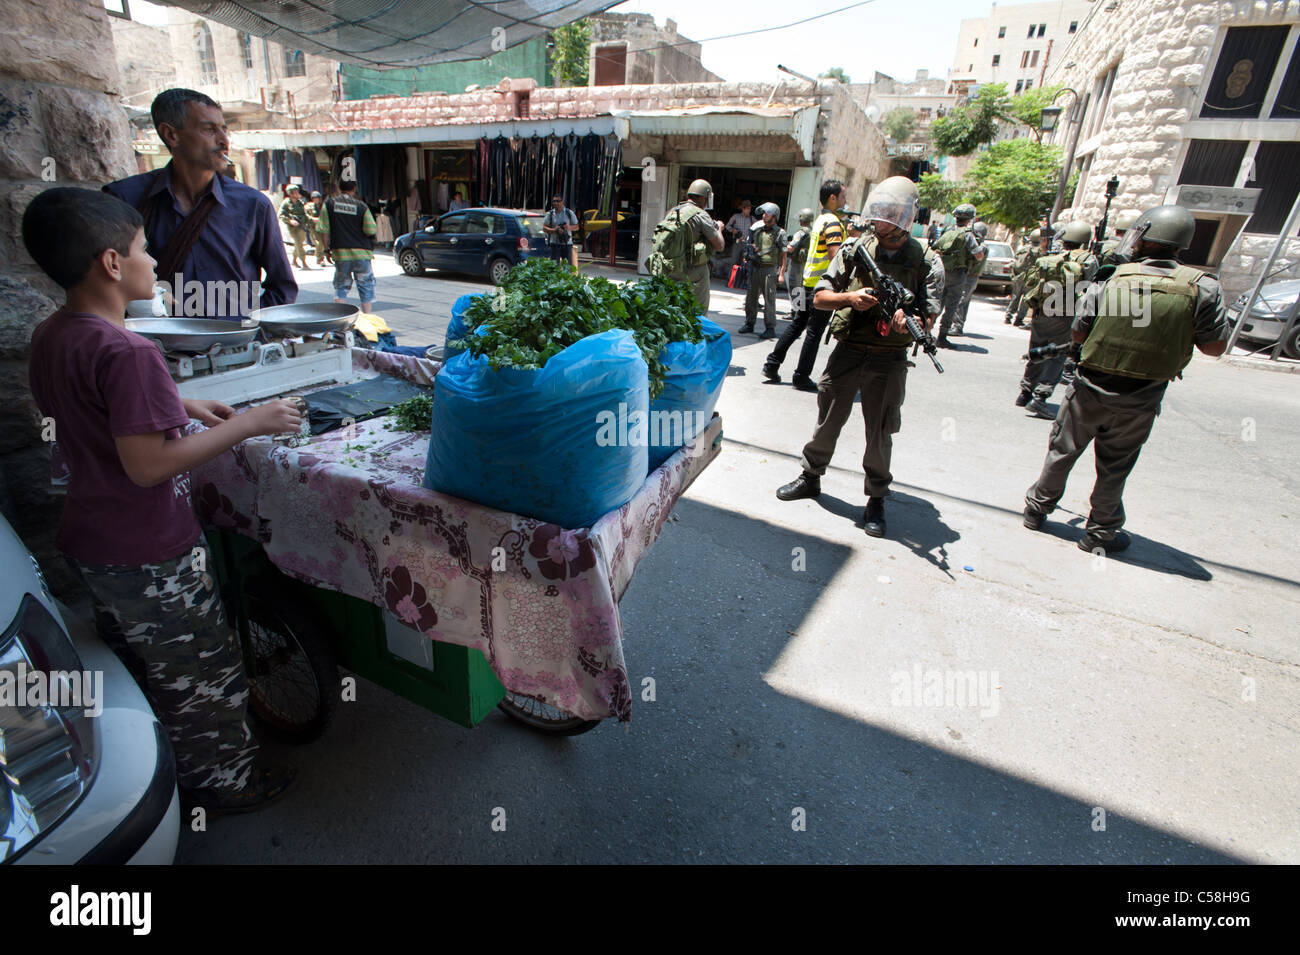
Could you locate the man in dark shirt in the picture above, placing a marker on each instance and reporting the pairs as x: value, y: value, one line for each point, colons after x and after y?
x: 238, y: 261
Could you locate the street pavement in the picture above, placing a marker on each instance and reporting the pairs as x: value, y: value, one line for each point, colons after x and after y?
x: 809, y: 681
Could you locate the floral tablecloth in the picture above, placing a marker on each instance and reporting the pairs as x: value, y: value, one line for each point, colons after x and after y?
x: 346, y: 512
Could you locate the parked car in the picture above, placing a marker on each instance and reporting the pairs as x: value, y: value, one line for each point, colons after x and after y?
x: 76, y: 788
x: 1268, y: 317
x: 487, y: 242
x: 997, y: 267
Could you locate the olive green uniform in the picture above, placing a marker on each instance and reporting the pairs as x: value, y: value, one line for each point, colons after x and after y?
x: 957, y: 247
x: 1110, y: 405
x: 765, y: 248
x: 290, y: 210
x: 1017, y: 307
x: 867, y: 363
x: 695, y: 269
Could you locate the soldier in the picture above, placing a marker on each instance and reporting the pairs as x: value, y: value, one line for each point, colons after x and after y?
x: 871, y: 355
x: 683, y: 239
x: 294, y: 216
x: 1125, y: 366
x: 973, y: 274
x: 824, y: 241
x: 960, y: 248
x: 765, y: 248
x: 314, y: 208
x: 1123, y: 222
x: 1019, y: 271
x: 796, y: 253
x: 1051, y: 290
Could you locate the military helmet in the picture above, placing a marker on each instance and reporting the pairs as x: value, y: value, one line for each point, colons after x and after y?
x: 316, y: 194
x: 981, y: 229
x: 1124, y: 221
x: 805, y: 216
x: 964, y: 211
x: 1036, y: 235
x: 1169, y: 225
x: 1077, y: 232
x: 701, y: 188
x: 892, y: 200
x: 771, y: 207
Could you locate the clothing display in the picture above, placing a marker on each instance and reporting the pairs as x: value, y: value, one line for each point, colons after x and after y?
x: 524, y: 172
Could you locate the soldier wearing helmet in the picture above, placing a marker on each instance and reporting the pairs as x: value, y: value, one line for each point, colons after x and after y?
x: 766, y: 253
x: 870, y: 358
x: 1017, y: 305
x: 961, y: 249
x: 796, y: 253
x: 1135, y: 334
x: 973, y: 274
x: 1110, y: 247
x: 683, y: 240
x: 824, y: 240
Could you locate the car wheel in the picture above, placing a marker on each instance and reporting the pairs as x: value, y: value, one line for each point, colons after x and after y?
x: 498, y: 270
x: 1291, y: 346
x: 410, y: 263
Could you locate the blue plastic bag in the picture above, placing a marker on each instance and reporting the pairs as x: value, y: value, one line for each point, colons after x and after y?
x: 457, y: 328
x: 554, y: 443
x: 691, y: 388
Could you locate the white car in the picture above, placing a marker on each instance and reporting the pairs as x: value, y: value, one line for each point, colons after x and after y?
x: 1268, y: 317
x: 86, y: 771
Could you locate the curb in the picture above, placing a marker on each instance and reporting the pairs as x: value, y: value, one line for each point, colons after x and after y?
x: 1285, y: 366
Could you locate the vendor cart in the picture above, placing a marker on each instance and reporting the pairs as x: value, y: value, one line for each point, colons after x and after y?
x: 331, y: 553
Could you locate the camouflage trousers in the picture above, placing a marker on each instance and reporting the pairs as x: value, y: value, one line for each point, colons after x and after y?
x: 956, y: 299
x: 166, y: 624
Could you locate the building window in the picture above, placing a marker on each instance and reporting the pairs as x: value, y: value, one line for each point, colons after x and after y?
x: 996, y: 59
x: 294, y: 63
x: 1287, y: 105
x: 246, y: 48
x: 1033, y: 59
x: 1242, y: 75
x: 1020, y: 86
x: 1002, y: 32
x: 977, y: 42
x: 1074, y: 25
x: 1028, y: 83
x: 1212, y: 162
x: 1042, y: 28
x: 1030, y: 35
x: 1101, y: 97
x: 207, y: 59
x: 1277, y: 172
x: 1024, y: 59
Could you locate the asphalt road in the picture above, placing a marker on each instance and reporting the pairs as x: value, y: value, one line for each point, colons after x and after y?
x: 1136, y: 709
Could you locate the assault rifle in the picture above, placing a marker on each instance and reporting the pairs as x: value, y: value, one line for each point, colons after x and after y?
x: 1052, y: 351
x: 892, y: 296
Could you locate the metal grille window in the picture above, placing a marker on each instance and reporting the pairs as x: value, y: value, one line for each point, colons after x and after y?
x: 1243, y: 72
x: 996, y: 59
x: 1212, y: 162
x: 1002, y: 32
x: 1287, y: 105
x: 246, y: 49
x: 207, y: 59
x: 1277, y: 172
x: 295, y: 63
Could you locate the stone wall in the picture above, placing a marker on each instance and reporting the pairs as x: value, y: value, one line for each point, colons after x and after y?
x: 144, y: 60
x: 61, y: 123
x: 1162, y: 65
x: 848, y: 145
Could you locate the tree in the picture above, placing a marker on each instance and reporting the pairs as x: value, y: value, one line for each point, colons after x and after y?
x: 939, y: 194
x: 1026, y: 108
x: 967, y: 128
x: 835, y: 73
x: 1014, y: 181
x: 899, y: 123
x: 570, y: 53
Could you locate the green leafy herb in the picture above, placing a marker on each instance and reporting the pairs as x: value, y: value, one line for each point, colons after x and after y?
x: 414, y: 414
x: 543, y: 307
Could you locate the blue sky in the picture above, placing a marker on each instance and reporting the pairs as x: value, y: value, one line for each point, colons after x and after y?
x: 894, y: 36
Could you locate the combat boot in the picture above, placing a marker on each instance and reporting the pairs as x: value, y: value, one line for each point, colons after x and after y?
x: 1040, y: 409
x: 1024, y: 398
x: 1119, y: 542
x: 1034, y: 519
x: 873, y: 521
x: 805, y: 485
x: 771, y: 374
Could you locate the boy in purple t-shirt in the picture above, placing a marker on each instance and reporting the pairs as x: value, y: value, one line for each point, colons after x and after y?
x: 128, y: 524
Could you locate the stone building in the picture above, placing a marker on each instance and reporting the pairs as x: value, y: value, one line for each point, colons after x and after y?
x: 628, y: 48
x: 1015, y: 43
x: 1197, y: 103
x: 63, y: 124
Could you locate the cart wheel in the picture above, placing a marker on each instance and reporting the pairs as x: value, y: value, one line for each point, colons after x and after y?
x: 292, y: 676
x: 543, y: 717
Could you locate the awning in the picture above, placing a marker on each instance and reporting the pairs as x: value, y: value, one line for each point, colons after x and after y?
x: 410, y: 135
x: 390, y: 34
x: 799, y: 123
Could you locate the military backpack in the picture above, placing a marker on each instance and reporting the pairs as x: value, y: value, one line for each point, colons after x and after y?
x: 675, y: 249
x: 952, y: 249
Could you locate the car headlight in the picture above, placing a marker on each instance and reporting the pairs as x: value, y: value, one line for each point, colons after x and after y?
x: 47, y: 743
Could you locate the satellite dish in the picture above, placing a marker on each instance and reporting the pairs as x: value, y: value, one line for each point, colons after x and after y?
x: 873, y: 113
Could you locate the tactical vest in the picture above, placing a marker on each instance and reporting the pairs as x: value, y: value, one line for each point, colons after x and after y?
x: 1080, y: 255
x: 910, y: 271
x: 347, y: 214
x: 952, y: 249
x: 819, y: 257
x: 765, y: 248
x: 1024, y: 259
x: 800, y: 254
x: 1054, y: 268
x: 1145, y: 323
x: 1109, y: 250
x: 674, y: 251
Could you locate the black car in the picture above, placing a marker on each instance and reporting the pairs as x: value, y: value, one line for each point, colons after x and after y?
x: 488, y: 242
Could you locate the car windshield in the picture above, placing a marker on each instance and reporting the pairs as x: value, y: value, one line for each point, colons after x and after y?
x: 998, y: 250
x: 533, y: 226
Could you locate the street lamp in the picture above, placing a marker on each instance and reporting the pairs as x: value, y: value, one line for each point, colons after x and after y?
x: 1047, y: 122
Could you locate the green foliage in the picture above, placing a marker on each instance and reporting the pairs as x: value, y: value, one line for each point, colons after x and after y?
x: 543, y: 307
x: 835, y: 73
x: 1027, y: 108
x: 414, y: 414
x: 939, y: 194
x: 899, y: 123
x: 967, y: 128
x: 571, y: 53
x: 1014, y: 181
